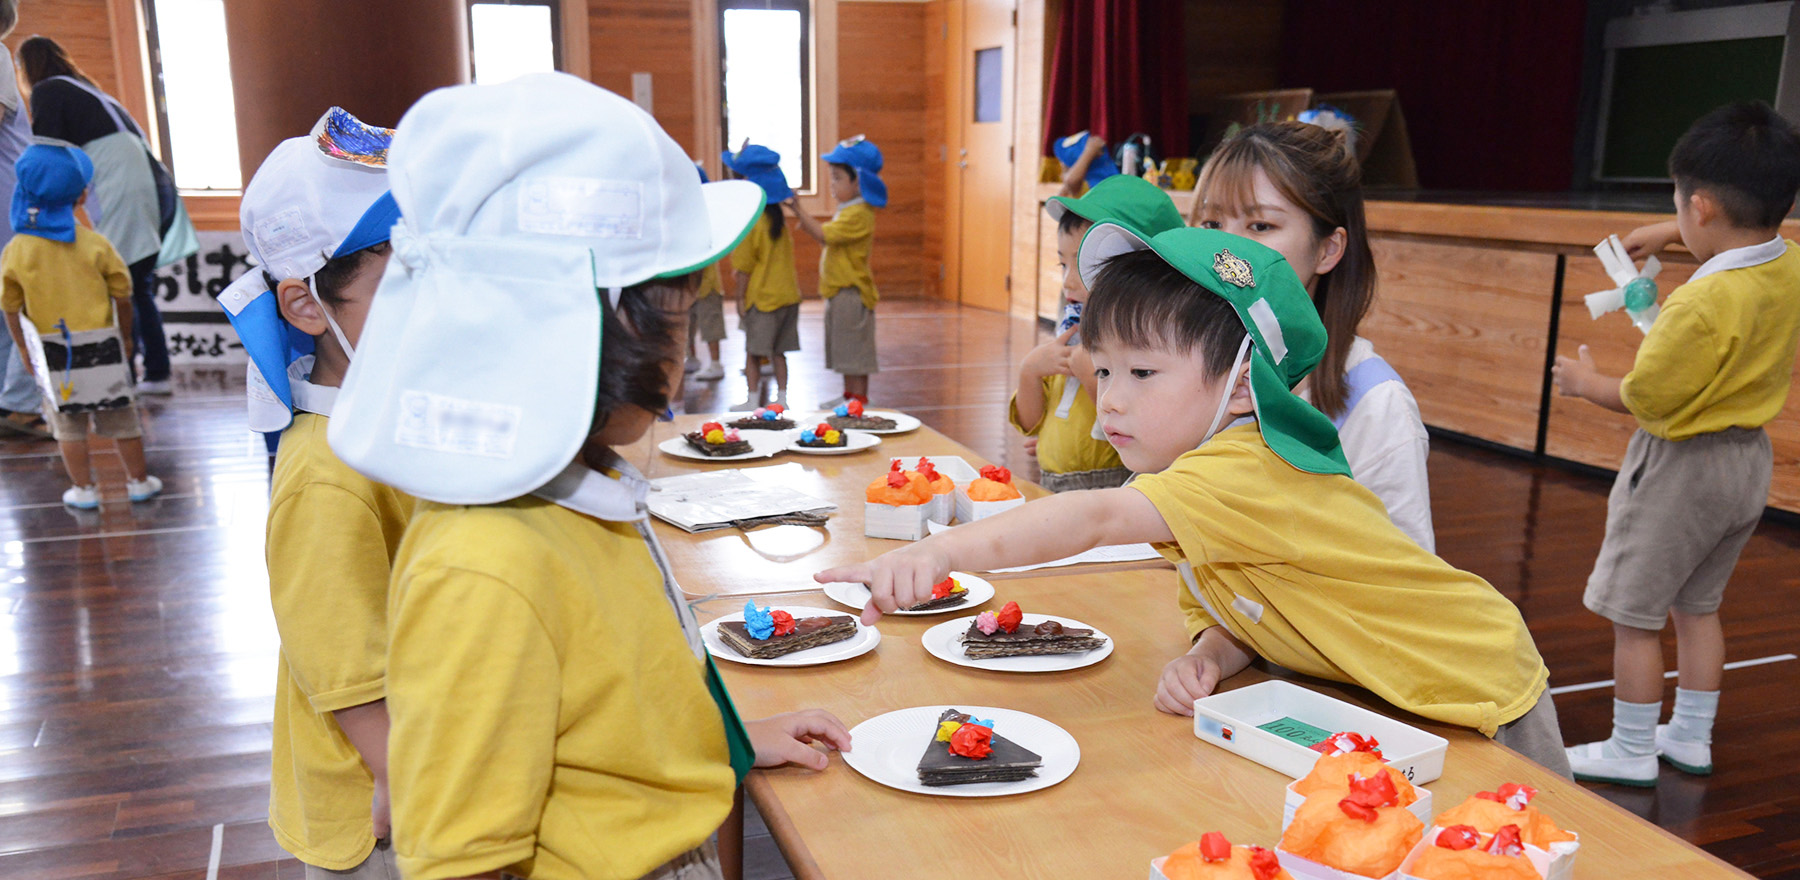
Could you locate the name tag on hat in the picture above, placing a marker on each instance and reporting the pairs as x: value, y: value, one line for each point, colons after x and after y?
x: 583, y: 207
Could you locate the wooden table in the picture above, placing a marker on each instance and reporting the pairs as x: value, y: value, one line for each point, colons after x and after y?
x: 780, y: 559
x: 1145, y: 784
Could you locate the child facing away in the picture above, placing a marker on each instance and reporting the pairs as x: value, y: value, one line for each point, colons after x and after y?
x: 1713, y: 369
x: 844, y: 263
x: 316, y: 223
x: 1054, y: 403
x: 1085, y: 163
x: 763, y: 269
x: 1297, y: 188
x: 76, y: 291
x: 706, y: 319
x: 1197, y: 338
x: 554, y: 712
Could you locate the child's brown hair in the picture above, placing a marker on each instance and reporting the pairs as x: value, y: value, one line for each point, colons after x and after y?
x: 1316, y: 169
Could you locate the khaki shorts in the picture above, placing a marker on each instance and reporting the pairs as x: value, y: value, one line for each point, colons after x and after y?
x: 707, y: 315
x: 767, y: 334
x: 1679, y: 514
x: 380, y: 865
x: 117, y: 424
x: 849, y: 334
x: 1538, y: 735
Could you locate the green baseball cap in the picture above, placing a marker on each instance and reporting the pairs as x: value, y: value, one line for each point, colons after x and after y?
x: 1122, y: 198
x: 1287, y: 337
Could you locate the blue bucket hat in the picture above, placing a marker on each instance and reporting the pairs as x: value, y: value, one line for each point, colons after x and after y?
x: 761, y: 166
x: 52, y: 176
x: 1068, y: 151
x: 861, y: 154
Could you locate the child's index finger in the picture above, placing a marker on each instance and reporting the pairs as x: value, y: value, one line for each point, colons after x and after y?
x: 845, y: 574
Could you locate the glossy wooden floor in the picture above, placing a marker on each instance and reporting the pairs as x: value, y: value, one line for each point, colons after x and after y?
x: 137, y: 651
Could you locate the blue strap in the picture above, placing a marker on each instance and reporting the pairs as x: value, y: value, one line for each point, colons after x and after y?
x: 1361, y: 379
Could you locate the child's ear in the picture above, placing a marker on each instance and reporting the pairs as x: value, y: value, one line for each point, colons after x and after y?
x: 1242, y: 404
x: 1704, y: 207
x: 1332, y: 250
x: 299, y: 308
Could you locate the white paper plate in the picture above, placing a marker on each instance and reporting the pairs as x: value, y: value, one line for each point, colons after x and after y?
x: 857, y: 596
x: 763, y: 444
x: 944, y: 642
x: 865, y: 640
x: 902, y: 422
x: 888, y: 748
x: 854, y: 441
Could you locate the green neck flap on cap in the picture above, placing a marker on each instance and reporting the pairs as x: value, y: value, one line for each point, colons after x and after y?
x: 1130, y: 201
x: 1287, y: 337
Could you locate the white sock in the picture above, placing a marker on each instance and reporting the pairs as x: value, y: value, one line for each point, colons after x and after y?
x: 1693, y: 717
x: 1634, y: 729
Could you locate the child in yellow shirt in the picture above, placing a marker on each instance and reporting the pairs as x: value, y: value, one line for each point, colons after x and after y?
x: 763, y: 268
x: 1198, y: 338
x: 316, y: 224
x: 1712, y: 370
x: 555, y: 714
x: 857, y: 188
x: 707, y: 319
x: 1053, y: 405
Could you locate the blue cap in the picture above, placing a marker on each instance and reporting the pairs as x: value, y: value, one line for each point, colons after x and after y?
x: 761, y: 166
x: 1068, y: 151
x: 375, y: 226
x: 861, y: 154
x: 52, y: 176
x: 702, y: 169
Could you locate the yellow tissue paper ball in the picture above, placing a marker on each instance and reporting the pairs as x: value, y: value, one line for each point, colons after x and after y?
x: 832, y: 437
x: 715, y: 436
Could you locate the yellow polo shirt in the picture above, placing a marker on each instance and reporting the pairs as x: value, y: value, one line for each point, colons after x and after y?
x: 710, y: 284
x: 548, y: 715
x: 332, y: 534
x: 72, y: 281
x: 849, y: 237
x: 1309, y: 572
x: 1066, y: 446
x: 1721, y: 353
x: 769, y: 262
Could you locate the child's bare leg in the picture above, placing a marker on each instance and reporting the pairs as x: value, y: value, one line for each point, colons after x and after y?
x: 753, y: 376
x: 1637, y: 664
x: 1686, y: 742
x: 712, y: 348
x: 856, y: 386
x: 75, y: 461
x: 132, y: 450
x: 1700, y: 649
x: 1628, y: 757
x: 781, y: 373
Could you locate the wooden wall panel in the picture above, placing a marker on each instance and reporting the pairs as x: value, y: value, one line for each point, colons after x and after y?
x: 1466, y: 326
x: 1049, y: 273
x: 935, y: 36
x: 647, y: 36
x: 1232, y: 46
x: 882, y: 94
x: 83, y: 27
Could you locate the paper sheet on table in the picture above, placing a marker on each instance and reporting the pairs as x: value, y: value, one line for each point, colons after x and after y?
x: 1113, y: 553
x: 707, y: 500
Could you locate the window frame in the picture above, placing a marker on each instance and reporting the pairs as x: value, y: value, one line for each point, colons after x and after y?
x: 556, y: 27
x: 809, y: 141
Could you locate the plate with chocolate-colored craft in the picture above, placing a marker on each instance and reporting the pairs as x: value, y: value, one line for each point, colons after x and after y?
x: 787, y: 635
x: 963, y: 751
x: 1009, y: 640
x: 958, y: 592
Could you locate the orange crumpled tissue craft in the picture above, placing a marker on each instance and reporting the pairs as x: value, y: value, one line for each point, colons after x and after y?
x: 1365, y: 832
x: 1212, y: 857
x: 1490, y: 811
x: 1460, y: 853
x: 1332, y: 773
x: 899, y: 488
x: 940, y: 484
x: 994, y: 484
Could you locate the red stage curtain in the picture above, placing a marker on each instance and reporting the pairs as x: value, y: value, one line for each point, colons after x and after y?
x: 1118, y: 70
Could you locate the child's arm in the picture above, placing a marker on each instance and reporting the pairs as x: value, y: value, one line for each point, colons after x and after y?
x: 1582, y: 378
x: 1216, y: 656
x: 787, y: 738
x: 1046, y: 360
x: 366, y: 727
x: 1043, y: 530
x: 806, y: 221
x: 1646, y: 241
x: 17, y: 332
x: 122, y: 318
x: 1071, y: 183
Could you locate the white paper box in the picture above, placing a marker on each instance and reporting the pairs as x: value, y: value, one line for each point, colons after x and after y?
x: 1549, y: 866
x: 1156, y: 868
x: 1229, y: 720
x: 1293, y: 800
x: 905, y: 522
x: 969, y: 510
x: 942, y: 508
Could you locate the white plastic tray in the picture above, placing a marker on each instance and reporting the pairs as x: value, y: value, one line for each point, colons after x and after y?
x: 1229, y: 720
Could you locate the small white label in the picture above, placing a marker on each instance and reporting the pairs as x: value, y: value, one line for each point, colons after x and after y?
x: 462, y: 427
x: 1246, y: 607
x: 280, y: 232
x: 586, y: 207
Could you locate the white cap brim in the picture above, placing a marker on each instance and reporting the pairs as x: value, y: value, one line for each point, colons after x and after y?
x: 731, y: 209
x: 1103, y: 242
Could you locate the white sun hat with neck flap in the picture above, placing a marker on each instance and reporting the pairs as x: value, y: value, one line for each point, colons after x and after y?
x: 526, y: 207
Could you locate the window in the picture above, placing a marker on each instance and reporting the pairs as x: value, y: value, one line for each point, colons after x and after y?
x: 191, y: 80
x: 767, y: 97
x: 510, y: 38
x: 989, y: 70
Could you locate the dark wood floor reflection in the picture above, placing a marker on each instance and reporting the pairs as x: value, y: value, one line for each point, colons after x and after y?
x: 137, y: 650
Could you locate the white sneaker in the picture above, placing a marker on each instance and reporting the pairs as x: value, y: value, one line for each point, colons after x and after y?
x: 1683, y: 755
x: 690, y: 365
x: 1591, y: 763
x: 145, y: 489
x: 829, y: 405
x: 82, y: 497
x: 747, y: 406
x: 160, y: 387
x: 781, y: 398
x: 711, y: 372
